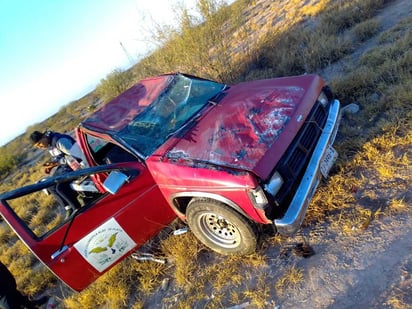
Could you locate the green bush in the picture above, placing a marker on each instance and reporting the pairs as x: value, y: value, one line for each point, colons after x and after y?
x: 199, y: 45
x: 7, y: 161
x: 114, y: 84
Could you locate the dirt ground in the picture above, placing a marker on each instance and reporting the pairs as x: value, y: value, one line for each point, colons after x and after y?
x: 370, y: 270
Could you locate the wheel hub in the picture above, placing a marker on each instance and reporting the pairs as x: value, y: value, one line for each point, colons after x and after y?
x: 219, y: 230
x: 221, y: 223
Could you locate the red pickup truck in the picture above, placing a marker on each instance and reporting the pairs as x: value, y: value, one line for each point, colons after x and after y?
x: 225, y: 159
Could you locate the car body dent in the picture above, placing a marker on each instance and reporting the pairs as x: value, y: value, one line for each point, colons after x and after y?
x: 251, y: 126
x: 116, y: 114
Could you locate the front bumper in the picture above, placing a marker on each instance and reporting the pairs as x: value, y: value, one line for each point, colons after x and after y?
x: 292, y: 220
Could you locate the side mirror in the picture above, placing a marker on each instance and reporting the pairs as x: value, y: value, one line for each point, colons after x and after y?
x: 114, y: 181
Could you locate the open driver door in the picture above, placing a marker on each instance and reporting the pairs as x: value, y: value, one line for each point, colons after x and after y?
x: 107, y: 229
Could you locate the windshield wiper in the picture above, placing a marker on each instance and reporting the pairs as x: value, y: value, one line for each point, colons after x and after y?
x: 218, y: 97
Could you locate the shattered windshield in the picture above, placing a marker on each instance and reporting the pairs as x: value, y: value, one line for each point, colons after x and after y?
x: 171, y: 110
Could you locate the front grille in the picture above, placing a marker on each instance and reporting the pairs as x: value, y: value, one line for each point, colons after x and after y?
x: 294, y: 162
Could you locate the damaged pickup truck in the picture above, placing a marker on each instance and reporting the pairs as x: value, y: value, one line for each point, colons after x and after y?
x: 225, y: 159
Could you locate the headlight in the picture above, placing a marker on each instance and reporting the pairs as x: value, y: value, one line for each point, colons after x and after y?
x: 258, y: 197
x: 323, y: 99
x: 274, y: 184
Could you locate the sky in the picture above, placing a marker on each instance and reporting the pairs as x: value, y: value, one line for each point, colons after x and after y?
x: 53, y: 52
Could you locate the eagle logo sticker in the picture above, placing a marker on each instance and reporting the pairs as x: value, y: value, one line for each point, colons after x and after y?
x: 105, y: 245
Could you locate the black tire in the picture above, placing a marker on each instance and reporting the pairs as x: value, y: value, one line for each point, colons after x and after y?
x: 221, y: 228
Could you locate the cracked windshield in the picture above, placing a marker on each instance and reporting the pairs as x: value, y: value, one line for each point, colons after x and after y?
x: 170, y: 111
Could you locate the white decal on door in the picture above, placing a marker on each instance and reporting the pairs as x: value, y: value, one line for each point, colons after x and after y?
x: 105, y: 245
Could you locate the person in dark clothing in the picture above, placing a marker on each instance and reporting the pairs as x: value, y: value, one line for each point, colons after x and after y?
x: 59, y: 146
x: 10, y: 297
x: 63, y: 160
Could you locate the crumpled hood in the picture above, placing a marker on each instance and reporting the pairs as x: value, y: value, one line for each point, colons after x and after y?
x: 252, y: 125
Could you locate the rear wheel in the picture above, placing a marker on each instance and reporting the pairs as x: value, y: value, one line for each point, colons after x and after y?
x: 221, y: 228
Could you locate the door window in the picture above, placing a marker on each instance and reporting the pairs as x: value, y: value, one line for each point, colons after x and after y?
x: 45, y: 209
x: 104, y: 152
x: 40, y: 211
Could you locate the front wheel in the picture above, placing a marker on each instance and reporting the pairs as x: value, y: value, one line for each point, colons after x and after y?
x: 221, y: 228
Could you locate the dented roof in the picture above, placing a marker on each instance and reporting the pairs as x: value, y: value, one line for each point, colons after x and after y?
x: 118, y: 113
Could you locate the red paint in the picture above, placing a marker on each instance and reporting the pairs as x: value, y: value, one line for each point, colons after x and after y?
x: 254, y: 123
x: 229, y: 148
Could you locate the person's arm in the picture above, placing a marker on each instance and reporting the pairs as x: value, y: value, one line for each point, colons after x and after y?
x: 64, y: 144
x: 71, y: 150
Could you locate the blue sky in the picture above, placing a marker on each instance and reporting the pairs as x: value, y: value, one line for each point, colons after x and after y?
x: 53, y: 52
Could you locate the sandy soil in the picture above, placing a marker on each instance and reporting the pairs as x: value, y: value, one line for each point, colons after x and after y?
x: 370, y: 270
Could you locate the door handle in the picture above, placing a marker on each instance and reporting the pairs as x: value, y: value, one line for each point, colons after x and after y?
x: 58, y: 252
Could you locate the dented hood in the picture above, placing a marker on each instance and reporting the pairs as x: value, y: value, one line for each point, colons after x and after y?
x: 252, y: 126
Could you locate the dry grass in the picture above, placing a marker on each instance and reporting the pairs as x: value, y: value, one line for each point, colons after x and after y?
x: 400, y: 296
x: 203, y: 277
x: 290, y: 281
x: 365, y: 30
x: 373, y: 173
x: 305, y: 45
x: 258, y: 295
x: 111, y: 290
x: 183, y: 254
x: 150, y: 275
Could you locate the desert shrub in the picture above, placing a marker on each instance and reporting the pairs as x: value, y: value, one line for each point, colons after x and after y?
x: 355, y: 84
x: 377, y: 70
x: 365, y: 30
x: 343, y: 15
x: 7, y: 161
x: 202, y: 43
x: 114, y: 84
